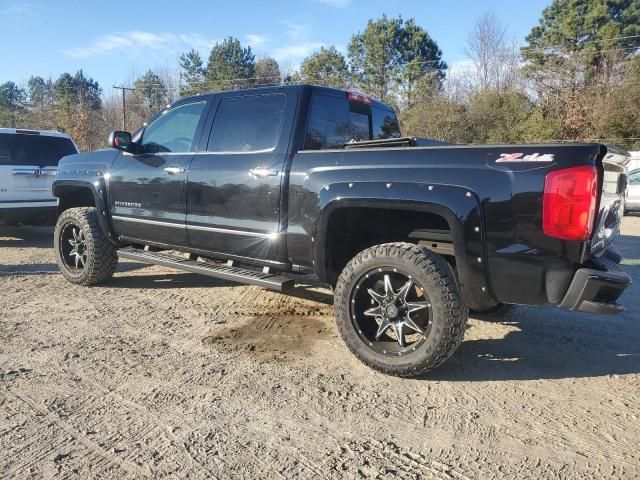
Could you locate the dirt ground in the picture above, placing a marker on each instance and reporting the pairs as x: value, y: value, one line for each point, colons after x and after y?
x: 159, y: 373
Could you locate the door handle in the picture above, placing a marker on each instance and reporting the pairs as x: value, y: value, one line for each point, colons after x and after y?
x: 263, y: 172
x: 174, y: 170
x: 32, y: 172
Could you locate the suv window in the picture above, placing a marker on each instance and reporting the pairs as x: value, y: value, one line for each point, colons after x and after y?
x: 248, y: 123
x: 336, y: 121
x: 174, y: 130
x: 37, y: 150
x: 634, y: 177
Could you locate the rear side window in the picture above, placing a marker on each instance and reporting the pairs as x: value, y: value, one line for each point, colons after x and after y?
x: 385, y: 124
x: 36, y: 150
x: 247, y: 124
x: 634, y: 177
x: 335, y: 121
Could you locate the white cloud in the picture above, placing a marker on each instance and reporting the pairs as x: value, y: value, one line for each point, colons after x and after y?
x: 296, y: 53
x: 336, y: 3
x: 255, y: 40
x: 19, y: 10
x: 298, y: 45
x: 139, y: 42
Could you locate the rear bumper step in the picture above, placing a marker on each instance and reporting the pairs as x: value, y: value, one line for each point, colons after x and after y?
x: 596, y: 291
x: 211, y: 269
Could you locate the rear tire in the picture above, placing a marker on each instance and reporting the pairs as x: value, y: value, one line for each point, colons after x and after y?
x: 84, y: 254
x: 372, y: 314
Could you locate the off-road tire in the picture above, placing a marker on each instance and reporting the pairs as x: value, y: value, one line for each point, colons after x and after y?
x: 102, y: 258
x: 449, y: 311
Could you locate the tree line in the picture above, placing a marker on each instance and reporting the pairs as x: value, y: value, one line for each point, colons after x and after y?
x: 577, y: 77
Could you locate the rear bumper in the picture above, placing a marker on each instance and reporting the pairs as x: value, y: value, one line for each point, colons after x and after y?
x: 597, y: 291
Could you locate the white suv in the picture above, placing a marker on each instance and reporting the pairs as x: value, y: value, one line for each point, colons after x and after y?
x: 28, y: 163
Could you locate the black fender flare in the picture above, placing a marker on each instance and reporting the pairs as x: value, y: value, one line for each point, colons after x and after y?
x: 459, y: 206
x: 98, y: 188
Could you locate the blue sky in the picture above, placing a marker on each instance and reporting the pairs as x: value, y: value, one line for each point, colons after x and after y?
x: 116, y: 40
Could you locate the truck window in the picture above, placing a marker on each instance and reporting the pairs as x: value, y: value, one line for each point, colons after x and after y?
x: 385, y: 124
x: 173, y: 131
x: 37, y: 150
x: 247, y: 124
x: 335, y: 121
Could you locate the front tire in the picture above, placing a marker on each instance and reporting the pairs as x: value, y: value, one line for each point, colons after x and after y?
x: 84, y: 254
x: 399, y: 309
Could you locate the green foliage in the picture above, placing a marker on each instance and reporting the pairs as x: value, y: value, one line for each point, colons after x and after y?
x: 617, y: 115
x: 40, y: 92
x: 439, y: 118
x: 230, y: 66
x: 393, y: 54
x: 151, y: 91
x: 326, y: 67
x: 498, y: 117
x: 77, y: 89
x: 542, y: 126
x: 11, y: 96
x: 193, y: 73
x: 595, y: 34
x: 12, y: 102
x: 267, y: 72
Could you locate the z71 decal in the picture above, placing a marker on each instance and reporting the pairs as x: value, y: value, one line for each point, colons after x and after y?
x: 521, y: 157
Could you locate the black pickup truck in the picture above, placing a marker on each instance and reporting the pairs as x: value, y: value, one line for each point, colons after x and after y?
x: 273, y: 185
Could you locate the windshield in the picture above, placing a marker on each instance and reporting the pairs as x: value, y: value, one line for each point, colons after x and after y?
x: 37, y: 150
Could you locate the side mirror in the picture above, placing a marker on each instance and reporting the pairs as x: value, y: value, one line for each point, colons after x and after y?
x: 120, y: 140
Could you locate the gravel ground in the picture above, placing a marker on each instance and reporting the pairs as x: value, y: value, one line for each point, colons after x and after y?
x: 159, y: 373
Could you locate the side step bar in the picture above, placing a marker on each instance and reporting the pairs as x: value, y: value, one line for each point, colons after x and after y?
x: 211, y: 269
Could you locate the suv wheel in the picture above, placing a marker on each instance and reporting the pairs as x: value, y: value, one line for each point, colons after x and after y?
x: 84, y: 254
x: 399, y: 309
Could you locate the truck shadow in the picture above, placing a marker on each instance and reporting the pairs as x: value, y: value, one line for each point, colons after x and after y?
x: 26, y: 237
x: 550, y: 343
x: 540, y: 346
x: 28, y: 269
x: 171, y: 279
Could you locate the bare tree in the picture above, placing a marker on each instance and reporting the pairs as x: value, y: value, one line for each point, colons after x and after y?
x: 494, y: 54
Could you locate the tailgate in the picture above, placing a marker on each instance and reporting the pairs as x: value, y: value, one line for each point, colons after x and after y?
x: 614, y: 164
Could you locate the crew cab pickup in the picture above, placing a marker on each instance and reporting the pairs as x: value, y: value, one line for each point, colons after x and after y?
x: 275, y: 185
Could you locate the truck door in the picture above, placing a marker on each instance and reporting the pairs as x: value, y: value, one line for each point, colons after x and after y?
x: 148, y: 189
x: 234, y: 188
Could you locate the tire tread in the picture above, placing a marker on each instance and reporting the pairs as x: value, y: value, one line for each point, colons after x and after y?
x: 432, y: 265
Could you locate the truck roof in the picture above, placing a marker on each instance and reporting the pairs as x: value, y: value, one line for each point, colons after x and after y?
x: 300, y: 86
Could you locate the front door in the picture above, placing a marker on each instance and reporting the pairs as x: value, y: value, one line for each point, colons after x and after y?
x: 233, y: 190
x: 148, y: 189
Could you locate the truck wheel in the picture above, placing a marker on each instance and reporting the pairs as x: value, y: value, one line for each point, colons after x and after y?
x: 399, y: 309
x: 84, y: 254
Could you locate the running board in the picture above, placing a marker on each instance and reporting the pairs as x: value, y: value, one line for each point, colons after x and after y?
x: 211, y: 269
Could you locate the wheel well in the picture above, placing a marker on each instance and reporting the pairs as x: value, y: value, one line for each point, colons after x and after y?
x: 75, y: 197
x: 351, y: 230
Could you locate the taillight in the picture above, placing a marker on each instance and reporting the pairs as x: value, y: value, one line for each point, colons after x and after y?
x: 569, y: 202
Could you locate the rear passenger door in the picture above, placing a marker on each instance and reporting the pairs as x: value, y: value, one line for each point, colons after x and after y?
x: 234, y: 188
